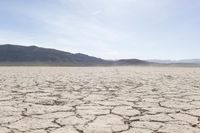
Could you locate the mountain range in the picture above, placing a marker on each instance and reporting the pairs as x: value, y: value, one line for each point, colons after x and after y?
x: 189, y: 61
x: 33, y: 55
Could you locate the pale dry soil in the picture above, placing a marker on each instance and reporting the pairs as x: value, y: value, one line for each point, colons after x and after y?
x: 99, y: 100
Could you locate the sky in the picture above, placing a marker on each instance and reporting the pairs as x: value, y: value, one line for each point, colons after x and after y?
x: 109, y: 29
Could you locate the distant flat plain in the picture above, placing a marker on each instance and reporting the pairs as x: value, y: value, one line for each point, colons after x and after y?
x: 99, y: 99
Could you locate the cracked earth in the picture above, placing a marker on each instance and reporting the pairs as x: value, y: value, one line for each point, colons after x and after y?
x: 99, y: 100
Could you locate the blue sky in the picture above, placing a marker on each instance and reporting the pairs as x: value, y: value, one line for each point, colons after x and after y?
x: 110, y: 29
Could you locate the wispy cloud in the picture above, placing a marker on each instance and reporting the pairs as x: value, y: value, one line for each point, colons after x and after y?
x: 105, y: 28
x: 96, y: 12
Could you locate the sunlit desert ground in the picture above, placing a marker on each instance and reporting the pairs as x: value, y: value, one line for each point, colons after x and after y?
x: 99, y: 100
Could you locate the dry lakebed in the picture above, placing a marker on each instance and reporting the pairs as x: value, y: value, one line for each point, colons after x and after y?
x: 99, y: 100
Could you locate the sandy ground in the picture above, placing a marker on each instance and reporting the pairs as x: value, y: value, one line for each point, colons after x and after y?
x: 99, y: 100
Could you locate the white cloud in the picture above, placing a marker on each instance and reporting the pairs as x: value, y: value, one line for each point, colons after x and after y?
x: 96, y: 12
x: 103, y: 28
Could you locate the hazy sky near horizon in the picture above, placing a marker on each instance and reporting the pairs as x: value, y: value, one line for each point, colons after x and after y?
x: 110, y: 29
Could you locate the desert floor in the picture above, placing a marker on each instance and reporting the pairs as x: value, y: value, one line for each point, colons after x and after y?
x: 99, y: 100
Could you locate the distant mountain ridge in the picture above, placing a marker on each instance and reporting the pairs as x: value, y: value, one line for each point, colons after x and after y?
x: 187, y: 61
x: 33, y: 55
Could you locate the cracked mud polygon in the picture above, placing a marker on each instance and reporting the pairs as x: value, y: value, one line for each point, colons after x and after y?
x: 99, y: 100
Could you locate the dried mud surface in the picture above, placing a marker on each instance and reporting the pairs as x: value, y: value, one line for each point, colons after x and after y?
x: 99, y: 100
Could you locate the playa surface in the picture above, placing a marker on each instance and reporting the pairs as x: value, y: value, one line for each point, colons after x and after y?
x: 99, y: 100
